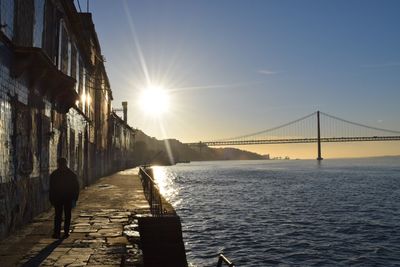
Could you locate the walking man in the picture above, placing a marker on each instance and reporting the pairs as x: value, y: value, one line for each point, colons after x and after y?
x: 64, y: 190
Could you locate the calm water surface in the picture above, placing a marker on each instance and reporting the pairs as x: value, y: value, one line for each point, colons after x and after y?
x: 266, y: 213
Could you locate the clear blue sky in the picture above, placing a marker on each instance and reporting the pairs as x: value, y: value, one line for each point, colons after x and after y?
x: 236, y: 67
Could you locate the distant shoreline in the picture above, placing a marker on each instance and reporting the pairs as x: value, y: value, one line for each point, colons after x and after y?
x: 294, y: 159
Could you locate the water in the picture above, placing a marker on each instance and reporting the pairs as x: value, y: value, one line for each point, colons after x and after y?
x: 266, y: 213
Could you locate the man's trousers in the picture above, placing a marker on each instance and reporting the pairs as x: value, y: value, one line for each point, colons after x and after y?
x: 60, y: 206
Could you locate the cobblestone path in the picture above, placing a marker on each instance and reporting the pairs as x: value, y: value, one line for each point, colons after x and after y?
x: 104, y: 229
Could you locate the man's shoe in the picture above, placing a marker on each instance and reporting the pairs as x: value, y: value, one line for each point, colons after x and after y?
x: 56, y: 236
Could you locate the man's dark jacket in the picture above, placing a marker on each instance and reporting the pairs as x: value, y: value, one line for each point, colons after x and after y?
x: 64, y: 186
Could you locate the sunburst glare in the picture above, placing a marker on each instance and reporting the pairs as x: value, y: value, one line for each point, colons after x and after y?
x: 154, y: 101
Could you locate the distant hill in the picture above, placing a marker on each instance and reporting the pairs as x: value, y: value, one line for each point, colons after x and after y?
x: 171, y: 151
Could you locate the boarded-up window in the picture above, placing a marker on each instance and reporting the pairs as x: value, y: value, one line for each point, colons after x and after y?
x: 51, y: 30
x: 73, y: 62
x: 22, y: 139
x: 64, y: 47
x: 23, y: 30
x: 84, y: 90
x: 88, y: 87
x: 38, y: 26
x: 69, y: 58
x: 80, y: 77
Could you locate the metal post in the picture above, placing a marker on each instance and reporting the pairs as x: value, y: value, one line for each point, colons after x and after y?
x: 319, y: 137
x: 219, y: 264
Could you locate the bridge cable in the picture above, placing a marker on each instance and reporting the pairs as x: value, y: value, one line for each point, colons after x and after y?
x: 268, y: 130
x: 359, y: 124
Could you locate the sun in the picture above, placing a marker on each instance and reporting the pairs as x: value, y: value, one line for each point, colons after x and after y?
x: 154, y: 101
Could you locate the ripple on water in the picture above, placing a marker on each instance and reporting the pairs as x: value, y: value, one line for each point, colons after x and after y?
x: 262, y: 213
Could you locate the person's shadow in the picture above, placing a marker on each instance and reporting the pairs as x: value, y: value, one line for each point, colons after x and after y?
x: 42, y: 255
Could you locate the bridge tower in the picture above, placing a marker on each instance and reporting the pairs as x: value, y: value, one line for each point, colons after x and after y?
x: 319, y: 137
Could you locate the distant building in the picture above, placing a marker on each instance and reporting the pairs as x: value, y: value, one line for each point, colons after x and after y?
x: 55, y: 101
x: 121, y: 143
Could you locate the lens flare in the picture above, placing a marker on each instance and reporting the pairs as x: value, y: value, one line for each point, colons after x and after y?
x: 154, y: 101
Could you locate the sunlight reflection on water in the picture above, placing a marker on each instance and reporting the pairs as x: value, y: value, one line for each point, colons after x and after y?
x: 166, y: 184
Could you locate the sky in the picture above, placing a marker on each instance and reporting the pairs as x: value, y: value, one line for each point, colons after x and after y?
x: 237, y: 67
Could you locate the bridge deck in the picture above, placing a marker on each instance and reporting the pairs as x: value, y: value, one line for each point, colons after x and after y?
x: 297, y: 141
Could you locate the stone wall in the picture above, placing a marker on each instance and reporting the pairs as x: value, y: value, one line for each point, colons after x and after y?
x: 31, y: 140
x: 49, y: 107
x: 22, y: 185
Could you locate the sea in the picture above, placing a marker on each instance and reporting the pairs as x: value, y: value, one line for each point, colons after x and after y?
x: 336, y: 212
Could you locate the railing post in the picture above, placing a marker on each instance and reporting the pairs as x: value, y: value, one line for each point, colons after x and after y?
x: 319, y: 137
x: 219, y: 264
x: 151, y: 197
x: 151, y: 192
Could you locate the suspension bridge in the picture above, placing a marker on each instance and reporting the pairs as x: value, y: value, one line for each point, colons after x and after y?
x: 317, y: 127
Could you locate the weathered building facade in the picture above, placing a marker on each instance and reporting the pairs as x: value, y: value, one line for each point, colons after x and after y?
x: 121, y: 146
x: 55, y: 101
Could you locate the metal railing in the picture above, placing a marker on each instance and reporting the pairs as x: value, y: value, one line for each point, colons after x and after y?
x: 223, y: 259
x: 151, y: 192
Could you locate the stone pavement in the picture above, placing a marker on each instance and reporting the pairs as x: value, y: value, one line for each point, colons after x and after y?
x: 104, y: 229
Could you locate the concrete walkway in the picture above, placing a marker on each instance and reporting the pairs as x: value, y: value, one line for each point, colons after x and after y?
x: 104, y: 229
